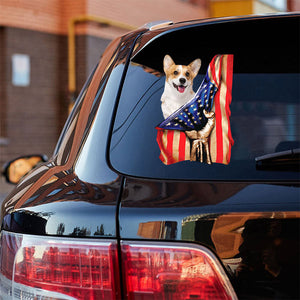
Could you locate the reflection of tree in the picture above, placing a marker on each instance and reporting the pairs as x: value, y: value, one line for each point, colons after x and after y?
x: 99, y: 231
x: 83, y: 231
x: 60, y: 229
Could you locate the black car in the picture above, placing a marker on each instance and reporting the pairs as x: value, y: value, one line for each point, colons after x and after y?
x: 200, y: 204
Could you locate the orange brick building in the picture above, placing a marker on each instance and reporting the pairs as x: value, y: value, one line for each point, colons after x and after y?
x: 34, y: 59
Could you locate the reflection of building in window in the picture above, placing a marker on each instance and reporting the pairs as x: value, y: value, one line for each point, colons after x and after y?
x: 158, y: 230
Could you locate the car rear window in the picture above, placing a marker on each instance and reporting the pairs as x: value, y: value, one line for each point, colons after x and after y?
x: 246, y: 103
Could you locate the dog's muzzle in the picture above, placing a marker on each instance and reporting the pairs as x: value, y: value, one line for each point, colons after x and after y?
x: 179, y: 88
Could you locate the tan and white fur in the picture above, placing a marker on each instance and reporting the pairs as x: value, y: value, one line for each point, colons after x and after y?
x: 179, y: 84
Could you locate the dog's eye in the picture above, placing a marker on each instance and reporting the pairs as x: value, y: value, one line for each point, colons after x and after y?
x: 175, y: 72
x: 187, y: 74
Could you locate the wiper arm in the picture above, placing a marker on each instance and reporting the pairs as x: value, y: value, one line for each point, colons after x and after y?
x: 280, y: 161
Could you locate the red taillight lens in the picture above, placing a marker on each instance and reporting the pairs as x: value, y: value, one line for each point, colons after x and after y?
x: 174, y: 271
x: 82, y: 269
x: 34, y: 267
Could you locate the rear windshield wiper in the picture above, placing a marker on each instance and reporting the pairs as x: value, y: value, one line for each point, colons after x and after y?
x: 287, y: 160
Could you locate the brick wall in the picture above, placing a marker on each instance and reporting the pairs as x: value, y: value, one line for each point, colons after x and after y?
x: 32, y: 116
x: 34, y: 14
x: 2, y: 91
x: 52, y: 16
x: 32, y: 112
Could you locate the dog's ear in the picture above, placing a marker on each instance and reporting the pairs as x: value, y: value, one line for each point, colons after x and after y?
x: 195, y: 66
x: 168, y: 62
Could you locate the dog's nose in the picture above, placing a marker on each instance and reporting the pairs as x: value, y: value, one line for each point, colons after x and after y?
x: 182, y: 80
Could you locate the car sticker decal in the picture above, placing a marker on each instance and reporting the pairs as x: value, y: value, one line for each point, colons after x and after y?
x: 199, y: 130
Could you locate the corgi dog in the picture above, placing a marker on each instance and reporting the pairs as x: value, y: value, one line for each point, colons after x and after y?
x: 179, y: 84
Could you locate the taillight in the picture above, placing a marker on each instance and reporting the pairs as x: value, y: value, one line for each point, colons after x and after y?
x: 173, y: 271
x: 58, y: 268
x: 35, y: 267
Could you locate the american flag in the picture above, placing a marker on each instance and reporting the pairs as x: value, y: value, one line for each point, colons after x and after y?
x: 190, y: 116
x: 214, y: 94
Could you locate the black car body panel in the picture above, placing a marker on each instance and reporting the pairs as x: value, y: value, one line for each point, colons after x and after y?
x: 248, y: 225
x: 94, y: 188
x: 68, y: 207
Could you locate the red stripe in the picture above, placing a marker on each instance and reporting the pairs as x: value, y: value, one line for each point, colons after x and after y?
x: 213, y: 69
x: 182, y: 140
x: 169, y: 149
x: 159, y: 136
x: 229, y: 76
x: 219, y: 131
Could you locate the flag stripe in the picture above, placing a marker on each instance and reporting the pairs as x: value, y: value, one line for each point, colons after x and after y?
x: 229, y: 77
x: 212, y: 67
x: 159, y: 139
x: 219, y: 134
x: 174, y: 146
x: 170, y: 136
x: 182, y: 146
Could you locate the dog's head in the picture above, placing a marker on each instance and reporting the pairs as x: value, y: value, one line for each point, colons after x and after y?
x: 180, y: 77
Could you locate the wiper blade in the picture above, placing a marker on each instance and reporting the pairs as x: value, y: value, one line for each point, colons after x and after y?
x: 288, y: 160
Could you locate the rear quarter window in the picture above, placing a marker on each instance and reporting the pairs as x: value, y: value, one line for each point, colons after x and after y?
x: 259, y: 117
